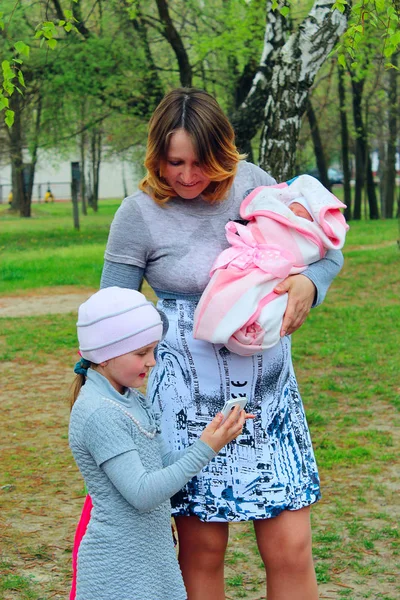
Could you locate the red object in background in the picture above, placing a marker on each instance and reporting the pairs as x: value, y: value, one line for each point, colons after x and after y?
x: 80, y: 532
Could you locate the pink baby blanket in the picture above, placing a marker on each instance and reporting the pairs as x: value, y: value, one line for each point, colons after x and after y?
x: 239, y: 308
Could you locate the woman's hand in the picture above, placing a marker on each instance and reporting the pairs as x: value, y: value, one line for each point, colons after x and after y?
x: 301, y: 293
x: 217, y: 434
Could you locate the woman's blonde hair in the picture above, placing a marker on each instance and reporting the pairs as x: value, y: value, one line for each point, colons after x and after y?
x: 200, y: 115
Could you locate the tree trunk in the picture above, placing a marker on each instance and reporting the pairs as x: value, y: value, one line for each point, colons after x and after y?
x: 75, y: 208
x: 371, y: 188
x: 34, y: 153
x: 75, y: 178
x: 344, y: 136
x: 82, y: 182
x: 295, y: 68
x: 16, y: 145
x: 382, y: 148
x: 357, y: 88
x: 318, y: 147
x: 390, y: 164
x: 363, y: 160
x: 248, y: 119
x: 172, y: 35
x: 96, y: 161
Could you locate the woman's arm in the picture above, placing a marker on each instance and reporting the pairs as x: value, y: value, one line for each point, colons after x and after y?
x: 308, y: 289
x: 323, y: 272
x: 121, y: 275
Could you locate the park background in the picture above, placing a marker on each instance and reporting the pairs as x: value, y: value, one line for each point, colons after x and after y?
x: 80, y: 81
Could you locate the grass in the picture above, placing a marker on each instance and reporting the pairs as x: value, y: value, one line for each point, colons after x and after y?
x: 47, y: 251
x: 346, y: 359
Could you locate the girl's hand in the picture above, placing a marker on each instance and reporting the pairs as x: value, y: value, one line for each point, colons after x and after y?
x: 217, y: 436
x: 301, y: 293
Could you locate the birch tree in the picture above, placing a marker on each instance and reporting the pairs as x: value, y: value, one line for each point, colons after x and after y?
x: 279, y: 94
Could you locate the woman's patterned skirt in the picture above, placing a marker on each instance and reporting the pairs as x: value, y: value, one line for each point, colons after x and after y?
x: 271, y: 466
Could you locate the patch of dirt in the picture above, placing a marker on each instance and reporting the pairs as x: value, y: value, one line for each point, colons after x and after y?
x: 44, y: 301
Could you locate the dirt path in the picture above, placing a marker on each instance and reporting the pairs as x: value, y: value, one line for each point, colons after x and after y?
x: 44, y: 301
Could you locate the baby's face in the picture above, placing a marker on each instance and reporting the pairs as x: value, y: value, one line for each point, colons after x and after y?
x: 299, y: 210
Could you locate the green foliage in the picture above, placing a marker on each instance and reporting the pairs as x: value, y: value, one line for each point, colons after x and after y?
x: 369, y: 19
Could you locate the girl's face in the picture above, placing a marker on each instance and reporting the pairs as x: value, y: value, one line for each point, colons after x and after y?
x: 181, y: 169
x: 129, y: 370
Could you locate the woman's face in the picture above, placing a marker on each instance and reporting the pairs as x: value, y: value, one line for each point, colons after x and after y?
x: 181, y: 169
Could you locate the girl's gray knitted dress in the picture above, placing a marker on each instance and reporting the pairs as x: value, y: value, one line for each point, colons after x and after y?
x: 127, y: 552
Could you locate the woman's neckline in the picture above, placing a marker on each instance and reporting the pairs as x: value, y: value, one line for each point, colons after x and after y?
x: 200, y: 207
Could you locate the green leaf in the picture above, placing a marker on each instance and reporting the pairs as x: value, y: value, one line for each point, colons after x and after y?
x: 21, y: 78
x: 339, y: 6
x: 8, y: 87
x: 3, y: 102
x: 22, y: 48
x: 8, y: 73
x: 61, y: 23
x: 9, y: 118
x: 70, y: 16
x: 285, y: 10
x: 52, y: 43
x: 342, y: 61
x: 68, y: 27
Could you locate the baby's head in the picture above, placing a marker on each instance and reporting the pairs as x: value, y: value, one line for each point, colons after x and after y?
x: 115, y: 323
x: 300, y: 207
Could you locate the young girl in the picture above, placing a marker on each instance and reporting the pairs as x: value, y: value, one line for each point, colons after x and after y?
x: 127, y: 551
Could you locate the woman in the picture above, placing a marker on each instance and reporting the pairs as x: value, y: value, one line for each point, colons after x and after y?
x: 170, y: 232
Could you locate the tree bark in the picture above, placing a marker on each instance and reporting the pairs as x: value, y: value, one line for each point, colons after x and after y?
x: 318, y: 146
x: 344, y: 136
x: 357, y: 89
x: 96, y: 161
x: 34, y: 151
x: 82, y: 182
x: 363, y: 160
x: 172, y: 36
x: 248, y: 119
x: 16, y: 144
x: 390, y: 164
x: 295, y: 68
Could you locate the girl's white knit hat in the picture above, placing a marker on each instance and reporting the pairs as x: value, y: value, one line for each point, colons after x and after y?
x: 115, y: 321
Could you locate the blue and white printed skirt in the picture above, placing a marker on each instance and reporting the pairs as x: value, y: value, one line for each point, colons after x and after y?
x: 271, y: 467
